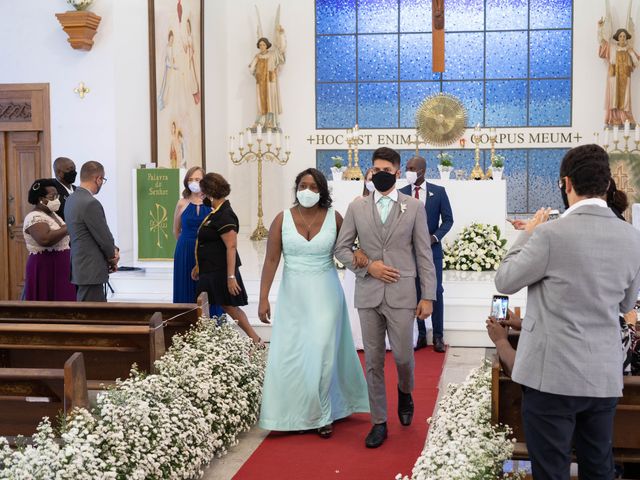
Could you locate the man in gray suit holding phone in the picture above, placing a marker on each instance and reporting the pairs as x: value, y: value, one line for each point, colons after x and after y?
x: 581, y: 271
x: 392, y: 231
x: 93, y: 252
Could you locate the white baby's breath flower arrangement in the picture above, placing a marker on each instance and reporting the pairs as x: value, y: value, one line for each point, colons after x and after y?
x: 462, y: 443
x: 80, y: 4
x: 206, y: 391
x: 477, y: 248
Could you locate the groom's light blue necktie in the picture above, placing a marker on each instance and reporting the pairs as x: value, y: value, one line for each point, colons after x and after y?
x: 384, y: 205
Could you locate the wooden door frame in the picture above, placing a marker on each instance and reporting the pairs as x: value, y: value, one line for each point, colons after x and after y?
x: 24, y: 107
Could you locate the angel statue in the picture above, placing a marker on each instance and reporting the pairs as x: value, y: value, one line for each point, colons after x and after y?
x: 617, y: 50
x: 265, y: 67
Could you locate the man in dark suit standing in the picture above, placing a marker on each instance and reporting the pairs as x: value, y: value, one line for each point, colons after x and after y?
x: 93, y: 252
x: 439, y: 222
x: 65, y: 171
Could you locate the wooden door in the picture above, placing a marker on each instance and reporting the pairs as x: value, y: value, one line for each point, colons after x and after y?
x: 25, y: 155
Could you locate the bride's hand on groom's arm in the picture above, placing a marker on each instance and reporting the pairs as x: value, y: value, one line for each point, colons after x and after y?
x: 379, y: 270
x: 424, y: 309
x: 360, y: 259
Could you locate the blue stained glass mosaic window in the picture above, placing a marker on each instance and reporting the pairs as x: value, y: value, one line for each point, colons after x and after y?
x: 377, y: 16
x: 509, y: 61
x: 335, y: 16
x: 531, y: 174
x: 336, y: 58
x: 378, y: 105
x: 377, y: 57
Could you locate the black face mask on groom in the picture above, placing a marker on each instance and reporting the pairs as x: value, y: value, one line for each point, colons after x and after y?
x: 383, y: 181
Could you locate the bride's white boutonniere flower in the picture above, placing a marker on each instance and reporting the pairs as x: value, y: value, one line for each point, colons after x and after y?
x: 403, y: 207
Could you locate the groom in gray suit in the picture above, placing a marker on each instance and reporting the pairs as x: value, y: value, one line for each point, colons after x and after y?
x: 93, y: 252
x: 581, y: 271
x: 392, y: 231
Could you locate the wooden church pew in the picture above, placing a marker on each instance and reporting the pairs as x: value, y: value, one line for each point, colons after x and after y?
x: 109, y: 350
x: 28, y: 394
x: 506, y: 399
x: 179, y: 317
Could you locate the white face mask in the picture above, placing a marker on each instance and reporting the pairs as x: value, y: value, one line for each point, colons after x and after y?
x: 411, y: 177
x: 307, y: 198
x: 194, y: 187
x: 370, y: 186
x: 53, y: 205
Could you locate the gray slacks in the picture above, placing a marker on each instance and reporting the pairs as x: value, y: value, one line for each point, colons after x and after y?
x: 398, y: 323
x: 92, y: 293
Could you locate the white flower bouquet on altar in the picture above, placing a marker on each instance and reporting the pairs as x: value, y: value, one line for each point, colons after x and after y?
x: 478, y: 247
x: 462, y: 443
x: 207, y: 390
x: 80, y: 4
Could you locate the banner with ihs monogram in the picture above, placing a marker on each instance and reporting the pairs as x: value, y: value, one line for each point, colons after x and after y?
x: 625, y: 170
x: 158, y: 192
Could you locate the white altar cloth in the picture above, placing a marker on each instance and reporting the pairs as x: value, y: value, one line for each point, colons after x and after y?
x: 483, y: 201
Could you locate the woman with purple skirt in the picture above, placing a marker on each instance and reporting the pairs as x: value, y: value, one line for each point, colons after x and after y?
x: 45, y: 233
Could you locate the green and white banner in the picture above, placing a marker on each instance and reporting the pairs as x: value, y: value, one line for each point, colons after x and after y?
x: 158, y: 192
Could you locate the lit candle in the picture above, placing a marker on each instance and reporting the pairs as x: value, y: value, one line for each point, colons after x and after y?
x: 606, y: 137
x: 230, y: 143
x: 249, y: 136
x: 477, y: 128
x: 278, y: 139
x: 287, y: 147
x: 636, y: 133
x: 269, y: 137
x: 626, y: 128
x: 615, y: 133
x: 241, y: 139
x: 259, y: 132
x: 349, y: 134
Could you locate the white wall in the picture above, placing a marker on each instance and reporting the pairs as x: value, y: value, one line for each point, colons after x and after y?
x: 111, y: 124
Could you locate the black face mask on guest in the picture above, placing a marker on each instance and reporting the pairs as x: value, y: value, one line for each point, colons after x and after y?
x: 70, y: 177
x: 383, y: 181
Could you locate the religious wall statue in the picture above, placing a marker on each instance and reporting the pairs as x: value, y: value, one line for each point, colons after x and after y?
x: 616, y: 48
x: 265, y: 67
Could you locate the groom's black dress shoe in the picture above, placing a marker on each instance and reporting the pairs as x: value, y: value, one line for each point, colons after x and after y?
x: 438, y: 345
x: 421, y: 343
x: 405, y: 408
x: 376, y: 436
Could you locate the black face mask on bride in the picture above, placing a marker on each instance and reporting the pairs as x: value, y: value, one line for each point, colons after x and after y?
x: 383, y: 181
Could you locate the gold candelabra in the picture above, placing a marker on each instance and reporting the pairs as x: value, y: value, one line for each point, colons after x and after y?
x: 259, y: 155
x: 417, y: 143
x: 626, y: 136
x: 476, y: 173
x: 353, y: 171
x: 492, y: 139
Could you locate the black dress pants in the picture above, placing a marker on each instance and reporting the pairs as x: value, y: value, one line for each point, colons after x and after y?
x: 553, y: 423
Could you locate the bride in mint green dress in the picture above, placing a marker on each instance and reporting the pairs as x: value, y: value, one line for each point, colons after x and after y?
x: 313, y: 372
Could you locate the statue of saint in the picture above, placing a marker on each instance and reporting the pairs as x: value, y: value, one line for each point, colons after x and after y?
x: 265, y: 67
x: 617, y: 50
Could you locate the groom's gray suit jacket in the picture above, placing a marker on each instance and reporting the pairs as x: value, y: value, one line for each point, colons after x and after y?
x: 401, y: 242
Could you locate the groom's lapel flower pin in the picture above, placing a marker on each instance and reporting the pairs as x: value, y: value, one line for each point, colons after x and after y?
x: 403, y: 207
x: 431, y: 194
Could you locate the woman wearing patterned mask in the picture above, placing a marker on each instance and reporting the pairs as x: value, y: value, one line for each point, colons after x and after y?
x: 189, y: 214
x: 313, y: 373
x: 45, y: 234
x: 368, y: 183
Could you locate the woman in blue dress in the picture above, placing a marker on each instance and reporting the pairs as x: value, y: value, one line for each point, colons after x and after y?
x: 189, y: 214
x: 313, y: 372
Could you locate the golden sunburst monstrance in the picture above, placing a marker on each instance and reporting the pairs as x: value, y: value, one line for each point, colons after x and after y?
x: 441, y: 119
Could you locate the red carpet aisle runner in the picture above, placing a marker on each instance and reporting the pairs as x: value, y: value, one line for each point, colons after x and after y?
x: 286, y: 456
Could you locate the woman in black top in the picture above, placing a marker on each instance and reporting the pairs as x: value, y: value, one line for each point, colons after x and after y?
x: 217, y: 260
